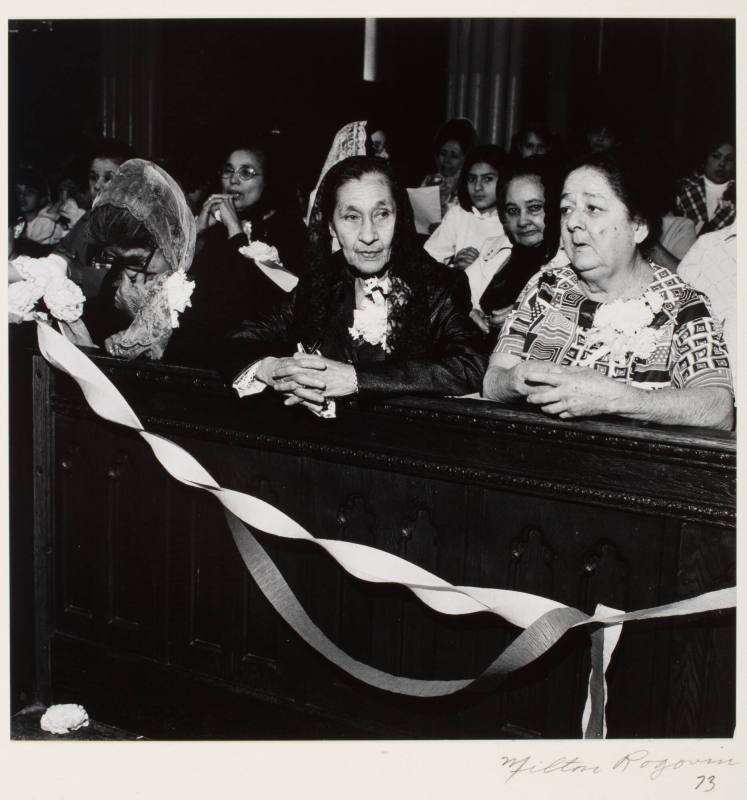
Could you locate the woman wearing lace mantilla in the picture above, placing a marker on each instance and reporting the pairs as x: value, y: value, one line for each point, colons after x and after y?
x: 142, y: 225
x: 378, y: 317
x: 595, y: 337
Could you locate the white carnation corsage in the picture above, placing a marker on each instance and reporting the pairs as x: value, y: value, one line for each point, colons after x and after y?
x: 372, y: 320
x: 622, y: 329
x: 178, y: 291
x: 258, y: 251
x: 64, y: 299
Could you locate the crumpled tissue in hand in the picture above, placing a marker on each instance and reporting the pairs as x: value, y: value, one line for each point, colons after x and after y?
x: 64, y: 718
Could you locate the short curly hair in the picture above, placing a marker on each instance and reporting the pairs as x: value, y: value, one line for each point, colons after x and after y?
x: 627, y: 174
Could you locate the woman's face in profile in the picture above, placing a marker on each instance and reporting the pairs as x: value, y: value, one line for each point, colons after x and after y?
x: 719, y: 165
x: 363, y: 222
x: 242, y: 178
x: 525, y: 211
x: 450, y: 158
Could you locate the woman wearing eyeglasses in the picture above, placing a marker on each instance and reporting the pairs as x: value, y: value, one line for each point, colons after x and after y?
x: 255, y: 203
x: 142, y: 228
x: 254, y: 207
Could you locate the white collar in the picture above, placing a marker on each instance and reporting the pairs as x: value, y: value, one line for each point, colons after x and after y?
x: 493, y: 212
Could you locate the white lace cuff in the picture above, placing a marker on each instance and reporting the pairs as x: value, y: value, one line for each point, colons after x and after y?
x: 246, y: 382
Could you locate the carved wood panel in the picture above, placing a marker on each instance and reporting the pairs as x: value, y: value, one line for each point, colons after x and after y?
x: 154, y: 563
x: 109, y: 536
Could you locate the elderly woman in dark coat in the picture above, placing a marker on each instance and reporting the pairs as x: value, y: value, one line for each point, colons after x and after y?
x: 376, y: 317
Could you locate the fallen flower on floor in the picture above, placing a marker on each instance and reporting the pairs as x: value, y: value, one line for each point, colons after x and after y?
x: 64, y: 718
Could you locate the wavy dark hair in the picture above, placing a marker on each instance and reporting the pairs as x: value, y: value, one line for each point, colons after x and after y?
x: 320, y: 290
x: 543, y: 169
x: 625, y: 169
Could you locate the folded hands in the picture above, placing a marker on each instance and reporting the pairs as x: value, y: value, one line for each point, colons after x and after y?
x: 309, y: 380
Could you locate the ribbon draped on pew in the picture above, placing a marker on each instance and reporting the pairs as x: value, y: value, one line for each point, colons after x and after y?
x: 544, y: 621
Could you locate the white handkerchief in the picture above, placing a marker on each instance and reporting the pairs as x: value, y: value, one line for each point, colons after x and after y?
x: 285, y: 279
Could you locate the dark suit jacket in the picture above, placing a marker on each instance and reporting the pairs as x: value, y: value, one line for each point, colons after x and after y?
x: 450, y: 362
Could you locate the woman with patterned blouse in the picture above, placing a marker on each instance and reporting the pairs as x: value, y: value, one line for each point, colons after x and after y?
x: 612, y: 333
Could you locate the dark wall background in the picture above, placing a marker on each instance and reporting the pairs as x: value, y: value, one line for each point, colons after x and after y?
x: 54, y: 88
x: 669, y: 80
x: 663, y: 81
x: 304, y: 77
x: 217, y: 79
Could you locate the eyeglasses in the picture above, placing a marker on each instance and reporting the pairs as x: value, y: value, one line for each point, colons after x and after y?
x: 127, y: 265
x: 245, y: 173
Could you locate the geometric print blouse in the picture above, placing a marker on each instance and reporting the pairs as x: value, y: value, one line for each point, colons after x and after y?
x: 551, y: 319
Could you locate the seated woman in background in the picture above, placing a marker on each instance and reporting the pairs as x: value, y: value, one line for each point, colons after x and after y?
x: 472, y: 230
x: 709, y: 197
x: 597, y: 336
x: 251, y: 242
x: 453, y: 141
x: 602, y: 135
x: 75, y: 256
x: 40, y: 225
x: 678, y: 232
x: 528, y: 207
x: 80, y: 260
x: 379, y: 317
x: 533, y: 140
x: 255, y: 203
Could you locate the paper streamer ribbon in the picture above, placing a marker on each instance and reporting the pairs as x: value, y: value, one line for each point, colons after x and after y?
x: 544, y: 621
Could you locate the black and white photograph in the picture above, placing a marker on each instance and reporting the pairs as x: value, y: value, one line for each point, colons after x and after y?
x: 372, y: 384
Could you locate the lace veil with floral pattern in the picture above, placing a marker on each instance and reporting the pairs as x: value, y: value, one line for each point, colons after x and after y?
x: 350, y: 140
x: 153, y: 198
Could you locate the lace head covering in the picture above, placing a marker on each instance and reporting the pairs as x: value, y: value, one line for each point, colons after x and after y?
x: 153, y: 198
x: 350, y: 140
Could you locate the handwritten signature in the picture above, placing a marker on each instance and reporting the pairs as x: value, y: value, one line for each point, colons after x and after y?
x: 640, y: 759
